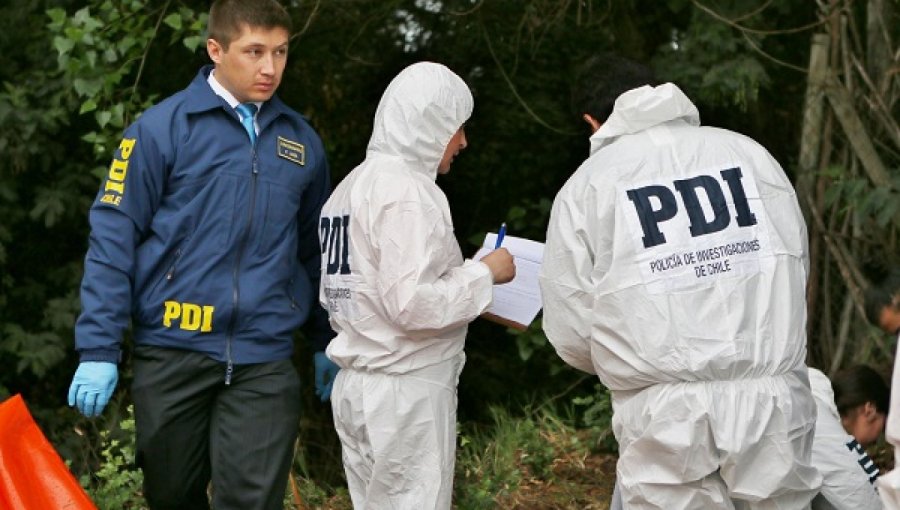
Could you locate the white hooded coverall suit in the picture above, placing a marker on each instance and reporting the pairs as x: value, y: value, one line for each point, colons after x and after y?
x: 400, y: 297
x: 889, y: 483
x: 675, y: 269
x: 847, y: 477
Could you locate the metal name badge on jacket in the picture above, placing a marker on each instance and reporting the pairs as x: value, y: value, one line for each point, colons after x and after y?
x: 708, y: 226
x: 291, y: 151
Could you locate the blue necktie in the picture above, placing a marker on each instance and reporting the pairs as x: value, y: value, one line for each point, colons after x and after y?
x: 247, y: 111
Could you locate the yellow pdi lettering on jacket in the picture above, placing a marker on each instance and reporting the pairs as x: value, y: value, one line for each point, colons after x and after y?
x: 189, y: 316
x: 115, y: 182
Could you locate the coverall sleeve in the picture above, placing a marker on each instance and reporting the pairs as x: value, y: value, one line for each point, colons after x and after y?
x: 310, y: 255
x: 566, y: 289
x: 119, y: 217
x: 421, y: 294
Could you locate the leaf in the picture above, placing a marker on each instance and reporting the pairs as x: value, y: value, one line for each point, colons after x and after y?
x: 193, y: 42
x: 81, y: 16
x: 91, y: 57
x: 57, y: 16
x: 63, y: 45
x: 103, y: 118
x: 48, y: 204
x: 526, y: 349
x: 86, y: 88
x: 118, y: 115
x: 109, y: 55
x: 126, y: 43
x: 88, y: 106
x: 173, y: 20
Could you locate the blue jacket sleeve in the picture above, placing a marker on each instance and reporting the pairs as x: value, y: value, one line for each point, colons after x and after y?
x: 119, y: 217
x: 310, y: 252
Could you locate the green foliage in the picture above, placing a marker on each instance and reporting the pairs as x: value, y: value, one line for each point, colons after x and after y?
x: 102, y: 51
x: 88, y: 89
x: 117, y: 484
x: 597, y: 417
x: 314, y: 495
x: 38, y: 352
x: 713, y: 62
x: 531, y: 341
x: 487, y: 462
x: 872, y: 208
x: 61, y: 117
x: 495, y: 464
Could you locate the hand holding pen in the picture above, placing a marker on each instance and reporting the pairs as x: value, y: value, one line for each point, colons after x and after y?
x: 500, y: 235
x: 500, y: 261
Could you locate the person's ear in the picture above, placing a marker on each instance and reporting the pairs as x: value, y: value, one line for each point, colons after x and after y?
x: 214, y: 49
x: 595, y: 125
x: 869, y: 411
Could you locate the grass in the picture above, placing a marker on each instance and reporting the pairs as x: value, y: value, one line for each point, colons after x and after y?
x: 536, y: 460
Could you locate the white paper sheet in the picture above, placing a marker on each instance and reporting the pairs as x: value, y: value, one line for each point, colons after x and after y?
x: 518, y: 301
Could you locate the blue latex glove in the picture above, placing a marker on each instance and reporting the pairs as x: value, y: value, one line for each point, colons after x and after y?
x: 326, y: 371
x: 92, y: 386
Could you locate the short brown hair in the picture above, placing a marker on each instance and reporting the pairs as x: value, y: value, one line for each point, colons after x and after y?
x: 882, y: 294
x: 226, y: 18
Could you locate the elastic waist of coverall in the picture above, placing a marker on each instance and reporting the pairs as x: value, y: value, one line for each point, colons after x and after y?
x: 444, y: 374
x: 620, y: 397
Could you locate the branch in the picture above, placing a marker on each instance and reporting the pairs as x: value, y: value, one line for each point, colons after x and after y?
x: 159, y: 20
x: 747, y: 29
x: 563, y: 393
x: 855, y: 130
x: 846, y: 267
x: 890, y: 124
x: 770, y: 57
x: 512, y: 87
x: 309, y: 19
x: 470, y: 11
x: 754, y: 12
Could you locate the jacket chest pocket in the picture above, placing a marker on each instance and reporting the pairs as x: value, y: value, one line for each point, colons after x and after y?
x: 280, y: 206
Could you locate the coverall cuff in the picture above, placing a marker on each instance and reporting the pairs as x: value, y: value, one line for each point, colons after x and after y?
x: 479, y: 264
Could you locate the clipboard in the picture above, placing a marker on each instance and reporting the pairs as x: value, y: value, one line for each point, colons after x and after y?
x: 504, y: 322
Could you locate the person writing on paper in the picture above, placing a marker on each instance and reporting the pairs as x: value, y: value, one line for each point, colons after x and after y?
x: 883, y: 310
x: 400, y: 296
x: 675, y: 269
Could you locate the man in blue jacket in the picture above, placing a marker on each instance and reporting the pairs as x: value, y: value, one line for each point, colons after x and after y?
x: 204, y: 237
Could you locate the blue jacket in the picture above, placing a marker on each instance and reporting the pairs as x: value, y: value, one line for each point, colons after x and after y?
x: 204, y: 242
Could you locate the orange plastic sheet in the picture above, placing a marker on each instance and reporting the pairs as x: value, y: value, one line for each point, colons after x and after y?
x: 32, y: 476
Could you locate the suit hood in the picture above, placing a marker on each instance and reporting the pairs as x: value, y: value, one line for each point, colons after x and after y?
x: 420, y: 111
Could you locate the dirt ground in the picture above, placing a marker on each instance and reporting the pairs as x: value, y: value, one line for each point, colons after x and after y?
x: 579, y: 482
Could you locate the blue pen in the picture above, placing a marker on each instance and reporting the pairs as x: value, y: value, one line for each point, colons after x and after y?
x: 500, y: 235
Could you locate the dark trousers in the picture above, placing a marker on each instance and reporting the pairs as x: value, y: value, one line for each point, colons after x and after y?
x: 193, y: 429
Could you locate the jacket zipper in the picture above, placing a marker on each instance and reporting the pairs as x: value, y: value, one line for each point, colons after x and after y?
x: 236, y: 291
x: 170, y: 274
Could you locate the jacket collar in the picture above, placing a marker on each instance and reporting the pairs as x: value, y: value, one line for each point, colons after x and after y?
x: 201, y: 98
x: 642, y: 108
